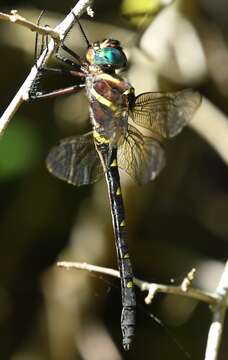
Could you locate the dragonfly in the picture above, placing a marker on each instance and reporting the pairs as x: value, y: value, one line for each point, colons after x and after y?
x: 116, y: 141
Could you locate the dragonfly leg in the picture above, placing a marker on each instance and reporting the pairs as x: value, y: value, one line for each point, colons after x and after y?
x: 67, y: 61
x: 36, y: 55
x: 72, y: 53
x: 47, y: 69
x: 59, y: 92
x: 81, y: 28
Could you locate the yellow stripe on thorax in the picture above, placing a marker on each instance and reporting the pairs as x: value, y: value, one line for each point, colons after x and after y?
x: 101, y: 99
x: 109, y: 77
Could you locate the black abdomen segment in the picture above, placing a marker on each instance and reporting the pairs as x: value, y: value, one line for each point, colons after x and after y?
x: 121, y: 236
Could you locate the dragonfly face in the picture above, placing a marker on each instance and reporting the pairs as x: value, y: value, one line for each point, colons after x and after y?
x: 107, y: 54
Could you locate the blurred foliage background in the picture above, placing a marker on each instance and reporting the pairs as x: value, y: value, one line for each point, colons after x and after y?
x: 175, y: 223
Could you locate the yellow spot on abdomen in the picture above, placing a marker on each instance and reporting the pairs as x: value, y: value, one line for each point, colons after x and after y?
x: 99, y: 138
x: 114, y: 163
x: 126, y: 256
x: 118, y: 191
x: 123, y: 223
x: 130, y: 284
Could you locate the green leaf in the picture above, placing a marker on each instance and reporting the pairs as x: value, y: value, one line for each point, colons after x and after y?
x: 142, y: 11
x: 20, y: 149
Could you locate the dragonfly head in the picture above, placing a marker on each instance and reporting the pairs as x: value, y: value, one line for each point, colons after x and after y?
x: 107, y: 53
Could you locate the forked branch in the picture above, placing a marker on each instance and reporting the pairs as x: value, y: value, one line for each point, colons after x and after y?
x: 57, y: 34
x: 218, y: 301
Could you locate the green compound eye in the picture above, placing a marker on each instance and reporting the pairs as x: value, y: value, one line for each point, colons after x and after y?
x: 110, y: 56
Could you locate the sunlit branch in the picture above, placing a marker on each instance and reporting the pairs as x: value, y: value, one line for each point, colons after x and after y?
x: 16, y: 18
x: 62, y: 29
x: 218, y: 300
x: 212, y: 124
x: 218, y: 317
x: 152, y: 288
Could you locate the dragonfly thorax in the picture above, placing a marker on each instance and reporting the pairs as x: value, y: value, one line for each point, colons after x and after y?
x: 109, y: 106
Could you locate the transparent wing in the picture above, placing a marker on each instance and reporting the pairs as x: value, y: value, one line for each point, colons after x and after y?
x: 165, y: 114
x: 142, y: 157
x: 75, y: 160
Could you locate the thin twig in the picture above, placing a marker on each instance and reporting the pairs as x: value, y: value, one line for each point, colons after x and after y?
x: 187, y: 282
x: 219, y: 312
x: 218, y: 301
x: 16, y: 18
x: 62, y: 29
x: 193, y: 293
x: 68, y: 265
x: 152, y: 288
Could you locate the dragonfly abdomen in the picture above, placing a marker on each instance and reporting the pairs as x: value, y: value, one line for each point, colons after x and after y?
x: 121, y: 238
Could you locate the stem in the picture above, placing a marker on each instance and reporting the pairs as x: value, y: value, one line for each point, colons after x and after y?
x: 20, y: 20
x: 62, y: 29
x: 218, y: 300
x: 152, y: 288
x: 219, y: 312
